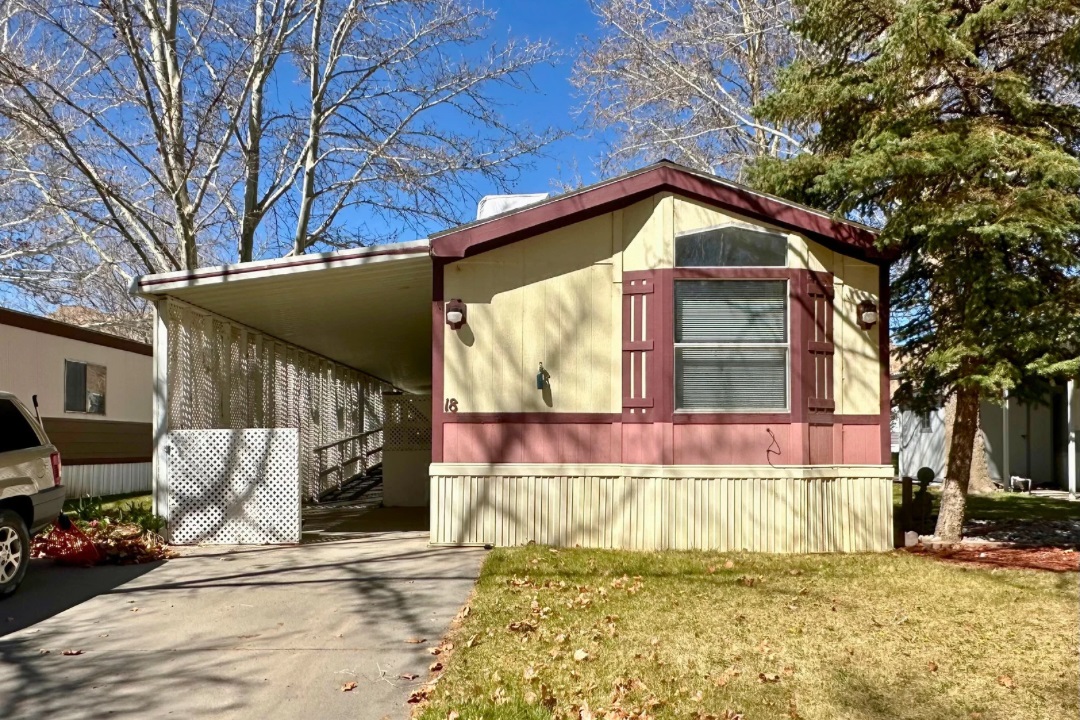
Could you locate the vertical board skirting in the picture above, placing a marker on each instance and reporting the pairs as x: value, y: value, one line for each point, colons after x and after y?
x: 777, y: 515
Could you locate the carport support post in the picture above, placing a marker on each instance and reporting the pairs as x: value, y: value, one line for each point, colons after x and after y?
x: 161, y: 407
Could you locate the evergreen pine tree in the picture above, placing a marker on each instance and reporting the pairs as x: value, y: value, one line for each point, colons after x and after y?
x: 955, y: 127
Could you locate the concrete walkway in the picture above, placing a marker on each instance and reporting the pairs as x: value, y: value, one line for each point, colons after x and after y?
x: 256, y: 632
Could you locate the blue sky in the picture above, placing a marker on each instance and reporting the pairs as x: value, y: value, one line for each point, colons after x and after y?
x: 564, y: 23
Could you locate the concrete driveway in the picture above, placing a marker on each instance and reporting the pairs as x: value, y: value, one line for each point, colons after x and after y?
x: 255, y: 632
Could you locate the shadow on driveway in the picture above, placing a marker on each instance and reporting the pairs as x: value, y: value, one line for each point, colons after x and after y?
x: 50, y: 589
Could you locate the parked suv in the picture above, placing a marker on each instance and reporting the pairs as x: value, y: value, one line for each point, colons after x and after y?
x: 31, y: 495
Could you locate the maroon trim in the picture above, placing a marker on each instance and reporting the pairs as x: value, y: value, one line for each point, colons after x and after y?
x: 621, y: 192
x: 438, y: 333
x: 550, y: 418
x: 683, y: 418
x: 246, y: 268
x: 884, y: 298
x: 801, y: 315
x: 46, y: 326
x: 855, y: 419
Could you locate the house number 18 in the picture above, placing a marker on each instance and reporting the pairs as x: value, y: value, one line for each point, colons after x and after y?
x: 450, y: 405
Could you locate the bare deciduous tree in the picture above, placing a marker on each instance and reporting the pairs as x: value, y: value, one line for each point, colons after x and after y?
x: 680, y: 78
x: 153, y: 135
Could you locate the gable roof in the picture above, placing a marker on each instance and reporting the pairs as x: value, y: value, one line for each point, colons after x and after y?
x: 849, y: 238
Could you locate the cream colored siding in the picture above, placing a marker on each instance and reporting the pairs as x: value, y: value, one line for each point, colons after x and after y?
x: 857, y: 366
x: 550, y: 299
x: 597, y: 508
x: 646, y: 233
x: 32, y: 363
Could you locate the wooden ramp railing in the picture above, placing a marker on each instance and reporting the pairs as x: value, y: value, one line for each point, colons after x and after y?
x: 342, y: 459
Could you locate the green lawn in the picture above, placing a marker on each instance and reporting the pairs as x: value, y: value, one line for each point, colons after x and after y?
x: 608, y: 634
x: 139, y: 500
x: 1007, y: 506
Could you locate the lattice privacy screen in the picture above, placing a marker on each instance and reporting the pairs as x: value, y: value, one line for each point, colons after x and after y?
x: 233, y: 486
x: 408, y: 422
x: 223, y: 375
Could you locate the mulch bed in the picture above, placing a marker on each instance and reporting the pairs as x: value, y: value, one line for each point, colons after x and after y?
x: 1032, y: 558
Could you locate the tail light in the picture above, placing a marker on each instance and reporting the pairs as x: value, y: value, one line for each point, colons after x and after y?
x: 54, y: 460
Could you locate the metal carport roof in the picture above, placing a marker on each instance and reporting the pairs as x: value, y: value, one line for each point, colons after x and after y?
x: 368, y: 308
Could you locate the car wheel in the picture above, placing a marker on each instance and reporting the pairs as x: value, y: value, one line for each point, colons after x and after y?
x: 14, y: 551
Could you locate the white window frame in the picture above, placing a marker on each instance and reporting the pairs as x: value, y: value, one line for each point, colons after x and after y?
x: 786, y: 345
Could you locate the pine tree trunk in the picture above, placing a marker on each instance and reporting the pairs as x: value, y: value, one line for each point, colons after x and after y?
x: 950, y: 523
x: 979, y: 480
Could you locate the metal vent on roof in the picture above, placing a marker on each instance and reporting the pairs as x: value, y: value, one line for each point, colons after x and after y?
x: 491, y: 205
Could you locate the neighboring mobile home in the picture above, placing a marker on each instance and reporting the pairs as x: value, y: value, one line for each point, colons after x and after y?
x: 662, y: 360
x: 1036, y: 441
x: 94, y: 392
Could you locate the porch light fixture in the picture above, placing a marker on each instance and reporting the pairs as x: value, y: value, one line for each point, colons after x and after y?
x: 868, y: 314
x: 455, y: 313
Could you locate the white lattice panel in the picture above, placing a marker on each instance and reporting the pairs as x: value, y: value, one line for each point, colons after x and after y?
x: 408, y: 422
x: 234, y: 486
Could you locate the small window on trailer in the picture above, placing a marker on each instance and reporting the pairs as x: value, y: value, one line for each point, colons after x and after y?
x: 731, y: 246
x: 84, y: 387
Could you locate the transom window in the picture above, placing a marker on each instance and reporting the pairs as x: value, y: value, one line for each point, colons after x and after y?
x: 731, y: 345
x: 731, y: 246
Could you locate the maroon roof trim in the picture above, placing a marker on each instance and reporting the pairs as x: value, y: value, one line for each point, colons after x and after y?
x: 846, y: 237
x: 47, y: 326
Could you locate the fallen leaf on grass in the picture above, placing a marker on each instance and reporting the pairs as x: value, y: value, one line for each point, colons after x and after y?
x: 768, y: 677
x: 80, y: 652
x: 435, y: 667
x: 453, y: 715
x: 580, y: 655
x: 728, y: 565
x: 931, y: 666
x: 408, y: 676
x: 471, y: 641
x: 348, y: 687
x: 1006, y: 681
x: 416, y: 640
x: 418, y: 696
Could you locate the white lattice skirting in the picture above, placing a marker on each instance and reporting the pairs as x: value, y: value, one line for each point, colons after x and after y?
x: 233, y: 486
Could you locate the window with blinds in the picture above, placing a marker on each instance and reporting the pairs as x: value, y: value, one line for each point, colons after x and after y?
x: 731, y: 345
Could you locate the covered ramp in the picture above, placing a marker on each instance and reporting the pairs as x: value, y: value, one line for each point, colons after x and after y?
x: 322, y: 358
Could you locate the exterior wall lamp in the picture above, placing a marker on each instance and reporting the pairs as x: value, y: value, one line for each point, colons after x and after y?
x: 867, y: 314
x: 456, y: 313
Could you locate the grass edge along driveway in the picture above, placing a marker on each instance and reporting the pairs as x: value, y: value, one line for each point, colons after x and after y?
x: 596, y: 634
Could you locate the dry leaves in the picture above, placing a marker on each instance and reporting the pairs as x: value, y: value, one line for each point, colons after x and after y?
x: 932, y: 666
x: 580, y: 655
x: 416, y: 640
x: 73, y: 652
x: 408, y: 676
x: 348, y: 687
x: 1006, y: 681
